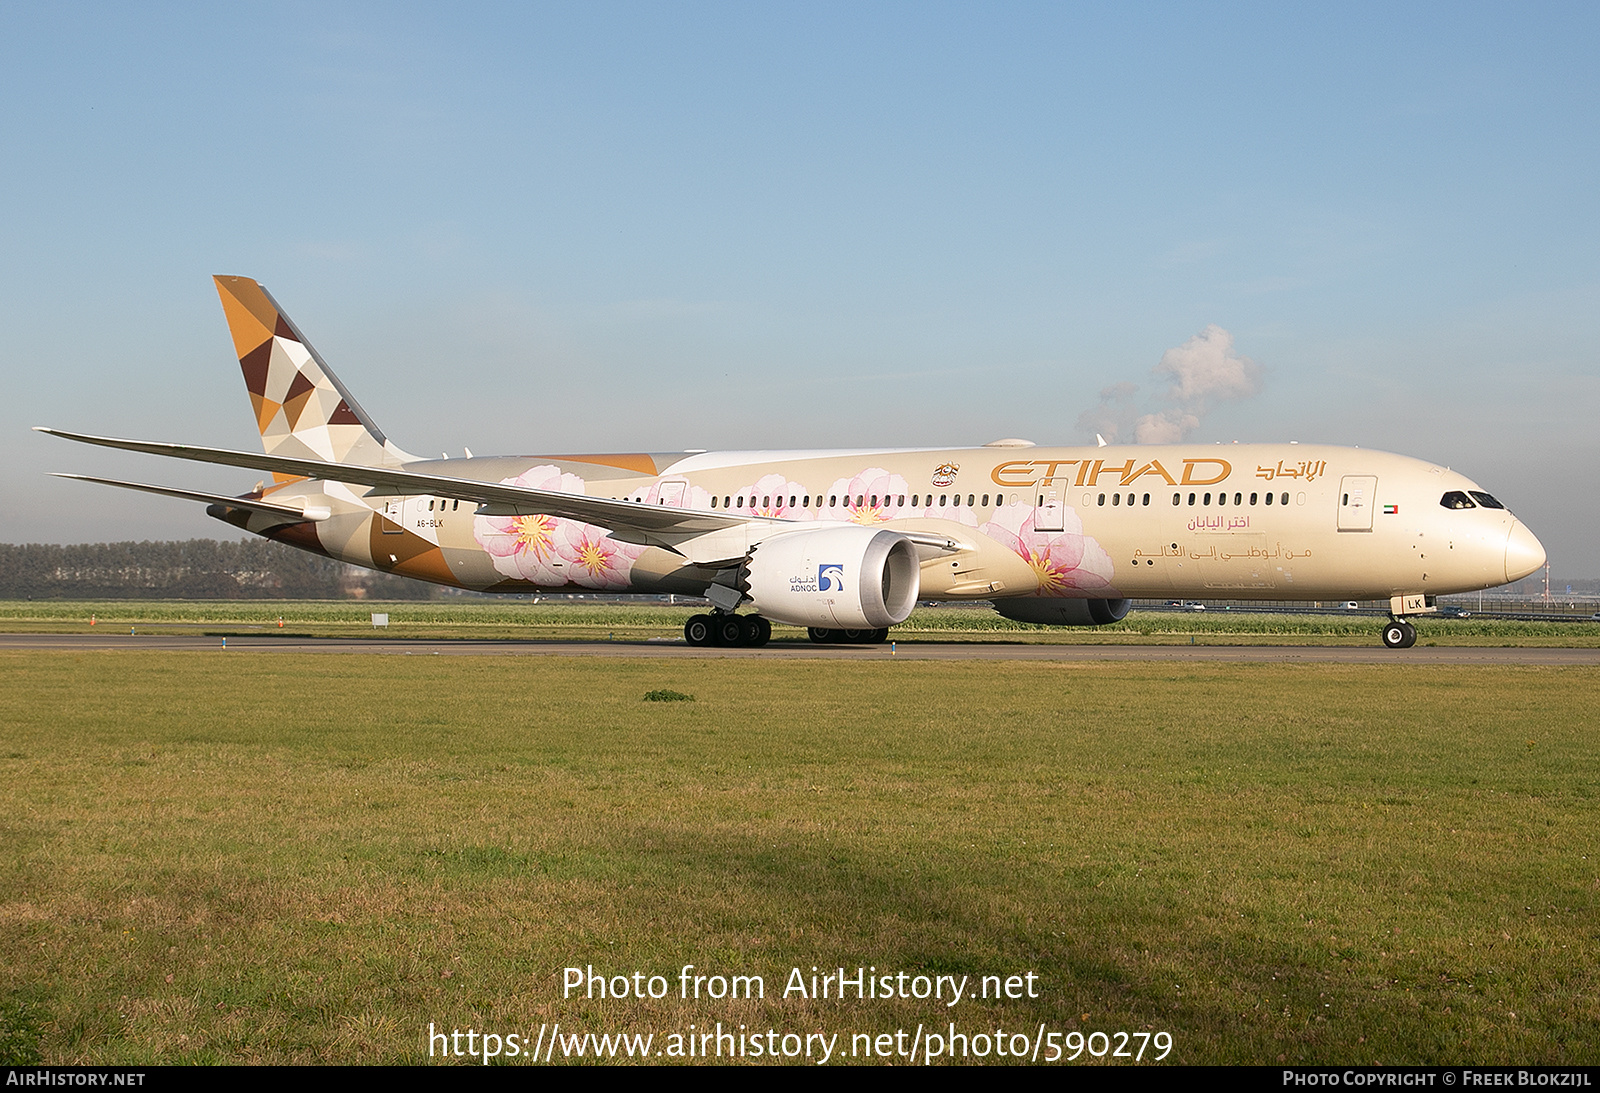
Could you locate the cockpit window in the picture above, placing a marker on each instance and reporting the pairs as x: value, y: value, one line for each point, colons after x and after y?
x: 1455, y: 499
x: 1485, y: 500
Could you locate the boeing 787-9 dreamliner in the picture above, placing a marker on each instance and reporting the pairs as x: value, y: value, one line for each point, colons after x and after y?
x: 844, y: 542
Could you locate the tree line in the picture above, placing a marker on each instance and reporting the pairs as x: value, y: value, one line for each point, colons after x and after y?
x: 191, y: 569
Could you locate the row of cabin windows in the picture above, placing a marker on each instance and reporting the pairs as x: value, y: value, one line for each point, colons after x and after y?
x: 1238, y: 498
x: 867, y: 500
x: 973, y: 500
x: 1203, y: 499
x: 1453, y: 500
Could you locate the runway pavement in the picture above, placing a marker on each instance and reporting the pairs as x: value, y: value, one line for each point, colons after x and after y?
x: 910, y: 650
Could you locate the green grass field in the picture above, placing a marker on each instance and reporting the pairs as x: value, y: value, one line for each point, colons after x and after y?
x: 214, y: 857
x: 602, y: 621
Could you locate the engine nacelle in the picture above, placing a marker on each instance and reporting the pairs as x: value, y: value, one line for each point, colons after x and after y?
x: 1060, y: 611
x: 851, y: 578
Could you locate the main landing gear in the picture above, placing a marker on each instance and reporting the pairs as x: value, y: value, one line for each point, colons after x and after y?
x: 730, y: 630
x: 1399, y: 634
x: 824, y: 636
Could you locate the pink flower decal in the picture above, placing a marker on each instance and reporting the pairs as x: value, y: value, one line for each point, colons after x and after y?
x: 673, y: 492
x: 595, y: 561
x: 872, y: 497
x: 550, y: 551
x: 1064, y: 562
x: 772, y: 496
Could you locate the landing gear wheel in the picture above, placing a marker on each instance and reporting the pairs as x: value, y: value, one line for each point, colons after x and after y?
x: 853, y: 637
x: 697, y: 631
x: 879, y: 636
x: 1399, y: 634
x: 754, y: 631
x: 822, y: 635
x: 729, y: 629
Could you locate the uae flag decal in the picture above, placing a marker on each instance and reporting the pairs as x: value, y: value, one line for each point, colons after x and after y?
x: 1391, y: 510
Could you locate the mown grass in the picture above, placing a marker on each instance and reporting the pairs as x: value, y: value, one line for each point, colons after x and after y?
x: 213, y: 857
x: 522, y: 620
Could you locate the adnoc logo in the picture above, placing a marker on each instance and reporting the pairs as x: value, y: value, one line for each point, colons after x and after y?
x: 830, y: 577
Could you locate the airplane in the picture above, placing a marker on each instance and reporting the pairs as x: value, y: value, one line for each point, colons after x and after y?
x: 845, y: 542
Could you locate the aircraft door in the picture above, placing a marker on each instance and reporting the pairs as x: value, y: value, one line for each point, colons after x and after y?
x: 392, y: 512
x: 671, y: 494
x: 1356, y: 495
x: 1050, y: 513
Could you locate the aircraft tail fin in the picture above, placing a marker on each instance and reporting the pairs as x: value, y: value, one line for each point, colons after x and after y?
x: 300, y: 406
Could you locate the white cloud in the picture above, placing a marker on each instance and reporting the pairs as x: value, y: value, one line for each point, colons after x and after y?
x: 1197, y: 374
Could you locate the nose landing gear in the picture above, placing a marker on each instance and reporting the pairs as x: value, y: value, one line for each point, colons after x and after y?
x: 727, y: 630
x: 1399, y: 634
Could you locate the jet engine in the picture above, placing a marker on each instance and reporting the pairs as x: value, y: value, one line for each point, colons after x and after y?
x: 834, y: 577
x: 1060, y: 611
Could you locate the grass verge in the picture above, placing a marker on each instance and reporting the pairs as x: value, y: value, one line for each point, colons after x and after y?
x: 520, y: 620
x: 302, y: 859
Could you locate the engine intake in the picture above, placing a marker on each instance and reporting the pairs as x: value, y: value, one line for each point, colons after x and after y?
x: 834, y: 577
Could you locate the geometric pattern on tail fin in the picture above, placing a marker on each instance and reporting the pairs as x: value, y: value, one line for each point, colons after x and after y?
x: 301, y: 408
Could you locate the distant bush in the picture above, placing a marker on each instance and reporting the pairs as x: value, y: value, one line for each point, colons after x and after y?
x: 192, y: 569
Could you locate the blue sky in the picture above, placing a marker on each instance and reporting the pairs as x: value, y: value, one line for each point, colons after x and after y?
x: 524, y: 229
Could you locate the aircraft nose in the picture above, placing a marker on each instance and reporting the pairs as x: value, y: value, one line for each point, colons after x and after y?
x: 1524, y: 553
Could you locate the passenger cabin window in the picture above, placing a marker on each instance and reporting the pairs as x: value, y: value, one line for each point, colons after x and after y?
x: 1455, y: 499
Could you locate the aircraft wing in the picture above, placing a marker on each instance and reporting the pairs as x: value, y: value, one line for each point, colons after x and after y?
x: 723, y: 536
x: 293, y: 512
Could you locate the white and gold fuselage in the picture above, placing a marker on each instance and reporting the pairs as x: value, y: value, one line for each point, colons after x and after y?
x: 1258, y: 521
x: 851, y: 538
